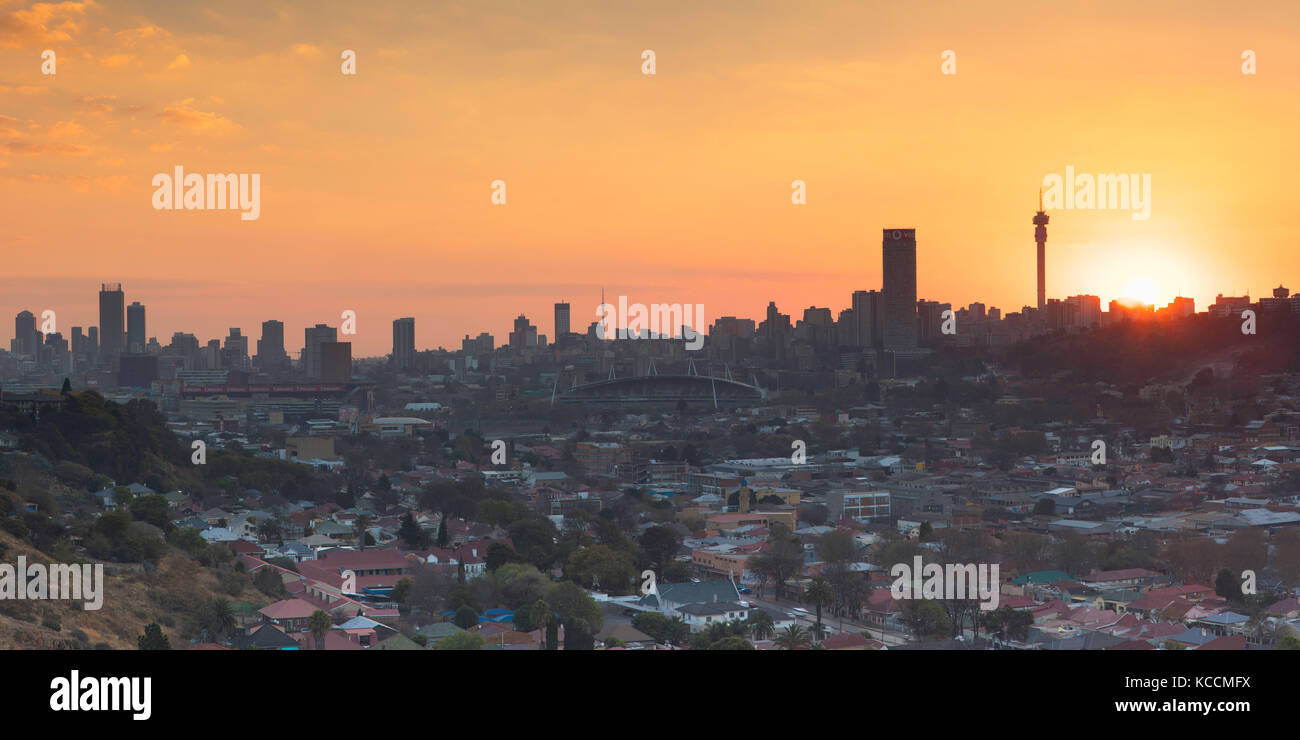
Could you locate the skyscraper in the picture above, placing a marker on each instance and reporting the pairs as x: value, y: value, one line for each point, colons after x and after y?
x: 524, y: 335
x: 561, y: 320
x: 135, y: 328
x: 868, y: 315
x: 1040, y: 236
x: 270, y: 348
x: 234, y: 355
x: 404, y: 343
x: 24, y: 334
x: 898, y: 254
x: 112, y: 308
x: 335, y: 361
x: 315, y: 337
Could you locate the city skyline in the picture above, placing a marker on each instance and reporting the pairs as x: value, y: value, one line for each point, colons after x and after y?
x: 379, y: 201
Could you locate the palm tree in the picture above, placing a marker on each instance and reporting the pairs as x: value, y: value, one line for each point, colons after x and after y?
x: 761, y: 626
x: 819, y: 594
x: 363, y: 521
x: 319, y: 624
x: 220, y: 618
x: 542, y: 617
x: 793, y: 638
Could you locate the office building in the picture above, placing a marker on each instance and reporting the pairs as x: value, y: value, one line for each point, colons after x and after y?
x: 135, y: 328
x: 271, y: 356
x: 898, y: 255
x: 315, y: 337
x: 112, y: 328
x: 561, y: 321
x: 404, y: 343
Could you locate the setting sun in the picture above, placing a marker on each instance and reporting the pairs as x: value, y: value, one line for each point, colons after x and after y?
x: 1143, y: 290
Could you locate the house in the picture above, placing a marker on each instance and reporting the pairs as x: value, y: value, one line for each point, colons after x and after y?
x: 290, y: 614
x: 266, y: 637
x: 702, y: 616
x: 438, y: 630
x: 851, y: 641
x: 629, y: 635
x: 365, y: 631
x: 671, y: 597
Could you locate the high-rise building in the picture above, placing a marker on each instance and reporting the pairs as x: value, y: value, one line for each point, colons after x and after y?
x: 869, y: 316
x: 898, y: 254
x: 561, y: 321
x: 25, y: 342
x: 336, y: 361
x: 112, y: 330
x: 404, y: 343
x: 271, y: 356
x: 235, y: 354
x: 135, y: 329
x: 1040, y: 236
x: 524, y: 335
x: 315, y: 337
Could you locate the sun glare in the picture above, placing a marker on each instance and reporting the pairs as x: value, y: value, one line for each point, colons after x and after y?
x: 1143, y: 290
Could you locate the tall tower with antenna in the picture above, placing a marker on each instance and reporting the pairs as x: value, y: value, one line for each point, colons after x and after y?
x: 1040, y: 236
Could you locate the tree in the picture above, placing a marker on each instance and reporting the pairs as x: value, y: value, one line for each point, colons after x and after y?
x: 580, y: 614
x: 761, y: 625
x: 1007, y: 622
x: 521, y: 584
x: 793, y: 638
x: 402, y: 591
x: 153, y: 638
x: 442, y: 531
x: 660, y: 543
x: 1227, y: 586
x: 499, y: 554
x: 319, y: 625
x: 819, y: 593
x: 461, y: 641
x: 614, y: 571
x: 362, y: 523
x: 411, y: 533
x: 535, y: 540
x: 465, y: 617
x: 925, y: 618
x: 782, y: 559
x: 734, y: 642
x: 217, y: 618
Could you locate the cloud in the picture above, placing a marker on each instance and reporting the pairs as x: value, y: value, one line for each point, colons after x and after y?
x: 183, y: 115
x: 43, y: 23
x: 180, y: 62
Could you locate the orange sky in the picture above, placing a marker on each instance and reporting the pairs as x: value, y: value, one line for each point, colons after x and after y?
x: 375, y: 189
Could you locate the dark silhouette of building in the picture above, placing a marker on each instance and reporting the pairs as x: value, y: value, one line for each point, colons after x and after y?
x: 898, y: 254
x: 336, y: 362
x: 271, y: 356
x: 112, y: 330
x: 135, y: 327
x: 561, y: 321
x: 404, y: 343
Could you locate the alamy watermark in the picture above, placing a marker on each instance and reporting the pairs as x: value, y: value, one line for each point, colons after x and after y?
x: 1102, y: 192
x: 57, y: 581
x: 195, y: 192
x: 629, y: 321
x: 952, y: 581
